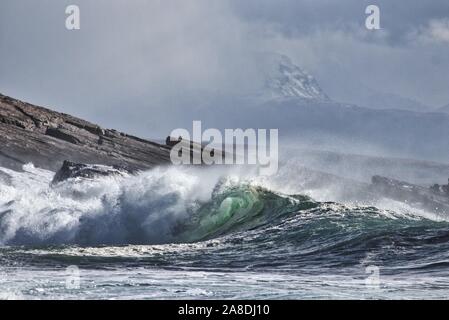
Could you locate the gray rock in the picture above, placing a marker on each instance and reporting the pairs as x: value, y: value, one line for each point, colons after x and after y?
x: 46, y: 138
x: 411, y: 194
x: 86, y: 171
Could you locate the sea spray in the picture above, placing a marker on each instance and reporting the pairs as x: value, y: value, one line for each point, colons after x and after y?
x: 163, y: 205
x: 145, y: 208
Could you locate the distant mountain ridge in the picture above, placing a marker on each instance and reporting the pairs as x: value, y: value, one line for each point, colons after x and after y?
x: 444, y: 109
x: 336, y: 81
x: 286, y: 80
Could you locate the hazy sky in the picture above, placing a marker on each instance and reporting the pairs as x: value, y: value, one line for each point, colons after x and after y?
x: 134, y: 62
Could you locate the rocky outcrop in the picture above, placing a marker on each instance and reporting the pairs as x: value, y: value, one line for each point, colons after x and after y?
x: 78, y: 170
x: 46, y: 138
x: 416, y: 196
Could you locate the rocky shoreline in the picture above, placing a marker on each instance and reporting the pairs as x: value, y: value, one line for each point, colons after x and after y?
x: 47, y: 138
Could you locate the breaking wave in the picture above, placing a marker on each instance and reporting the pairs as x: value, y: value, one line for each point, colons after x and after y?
x: 164, y: 205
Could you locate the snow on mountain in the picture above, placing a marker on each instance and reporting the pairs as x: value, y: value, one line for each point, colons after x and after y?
x: 284, y: 79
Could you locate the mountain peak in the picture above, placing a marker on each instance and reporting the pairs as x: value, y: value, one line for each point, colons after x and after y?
x: 287, y: 80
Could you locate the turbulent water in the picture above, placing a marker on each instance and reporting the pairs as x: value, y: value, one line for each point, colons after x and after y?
x: 203, y: 234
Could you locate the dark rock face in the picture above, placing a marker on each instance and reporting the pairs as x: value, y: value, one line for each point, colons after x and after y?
x: 46, y: 138
x: 86, y: 171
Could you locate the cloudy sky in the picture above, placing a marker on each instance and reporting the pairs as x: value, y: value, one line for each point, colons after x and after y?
x: 133, y: 63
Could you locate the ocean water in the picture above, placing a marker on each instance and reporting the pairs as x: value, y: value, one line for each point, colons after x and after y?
x: 210, y: 234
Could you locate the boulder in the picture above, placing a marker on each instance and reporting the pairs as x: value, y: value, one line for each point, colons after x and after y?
x: 88, y: 171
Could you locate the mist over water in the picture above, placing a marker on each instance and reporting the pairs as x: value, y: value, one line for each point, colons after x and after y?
x: 305, y: 233
x: 162, y: 205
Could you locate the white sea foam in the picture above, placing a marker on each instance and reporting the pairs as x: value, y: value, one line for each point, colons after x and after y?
x: 143, y: 209
x: 115, y: 209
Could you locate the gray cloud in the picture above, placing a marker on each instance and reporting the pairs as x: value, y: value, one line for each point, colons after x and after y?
x: 135, y: 60
x: 133, y: 65
x: 301, y: 17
